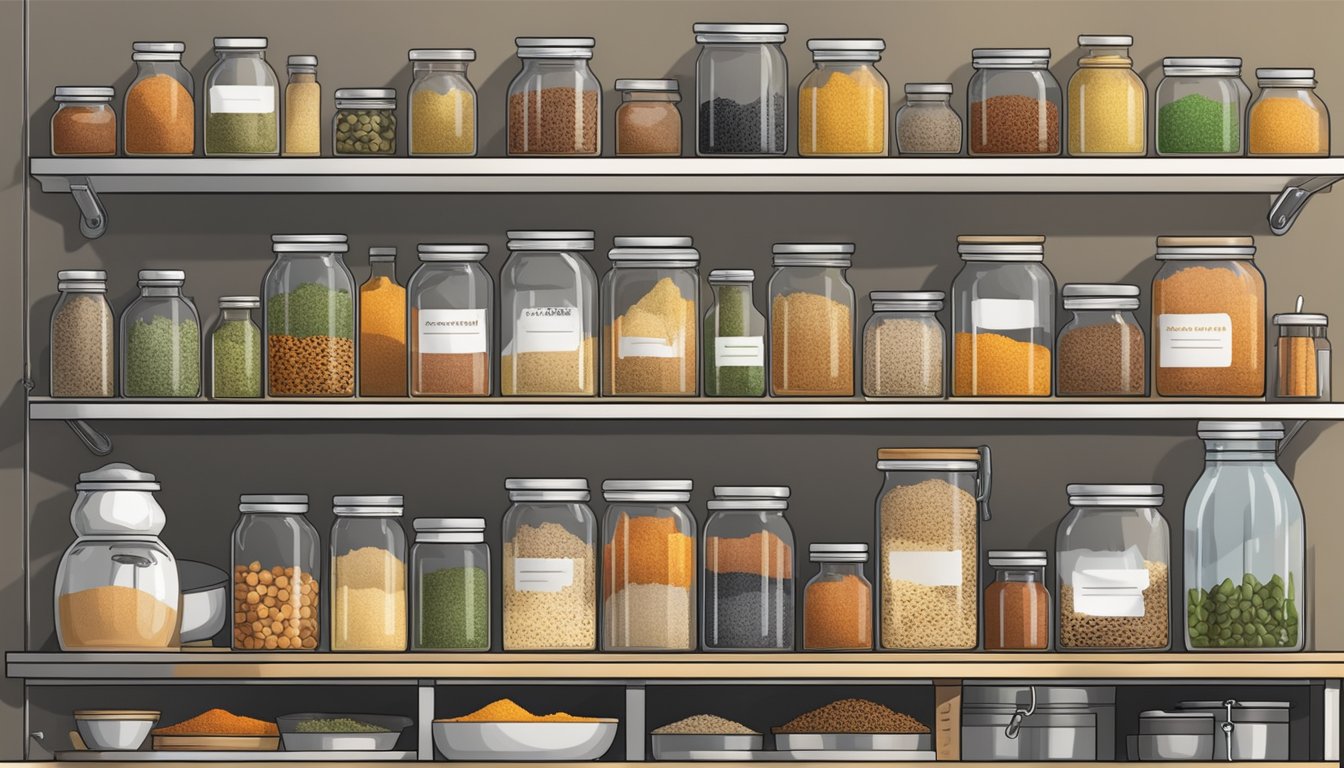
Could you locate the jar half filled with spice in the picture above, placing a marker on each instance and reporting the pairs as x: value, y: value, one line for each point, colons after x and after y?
x: 382, y: 327
x: 159, y: 112
x: 84, y: 123
x: 235, y: 349
x: 82, y: 360
x: 648, y: 122
x: 904, y: 345
x: 555, y: 101
x: 927, y: 124
x: 1107, y: 100
x: 451, y: 298
x: 442, y: 102
x: 1288, y: 118
x: 811, y: 320
x: 1013, y: 103
x: 242, y: 100
x: 648, y: 566
x: 368, y: 574
x: 842, y: 103
x: 838, y: 601
x: 277, y: 565
x: 161, y: 339
x: 450, y: 578
x: 310, y: 318
x: 548, y: 314
x: 650, y: 314
x: 1302, y: 355
x: 303, y: 108
x: 365, y: 122
x: 741, y: 89
x: 550, y: 566
x: 1201, y: 107
x: 749, y: 580
x: 734, y: 338
x: 1017, y: 602
x: 1102, y: 350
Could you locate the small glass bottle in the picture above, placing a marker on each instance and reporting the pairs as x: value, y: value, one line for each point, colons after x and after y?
x: 84, y: 123
x: 365, y: 122
x: 274, y: 546
x: 82, y: 360
x: 161, y: 339
x: 441, y: 102
x: 648, y: 122
x: 838, y: 601
x: 1302, y: 356
x: 451, y: 300
x: 368, y: 574
x: 382, y: 327
x: 159, y: 112
x: 235, y: 349
x: 242, y: 100
x: 303, y: 108
x: 904, y: 345
x: 450, y: 579
x: 735, y: 333
x: 927, y: 124
x: 1288, y: 118
x: 1017, y: 602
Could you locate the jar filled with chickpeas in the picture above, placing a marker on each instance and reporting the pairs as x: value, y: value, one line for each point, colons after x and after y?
x: 276, y: 565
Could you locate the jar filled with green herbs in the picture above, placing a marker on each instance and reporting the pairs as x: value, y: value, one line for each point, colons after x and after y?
x: 235, y: 349
x: 366, y: 122
x: 242, y: 105
x: 450, y: 577
x: 161, y: 339
x: 734, y: 337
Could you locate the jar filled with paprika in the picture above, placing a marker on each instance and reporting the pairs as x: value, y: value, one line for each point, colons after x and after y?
x: 1017, y: 602
x: 382, y: 327
x: 838, y: 601
x: 84, y: 123
x: 159, y: 113
x: 1288, y: 118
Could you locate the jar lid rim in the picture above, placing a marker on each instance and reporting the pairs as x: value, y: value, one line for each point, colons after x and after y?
x: 634, y: 84
x: 150, y: 46
x: 452, y: 251
x: 367, y: 511
x: 747, y: 505
x: 752, y: 492
x: 239, y: 302
x: 1010, y: 53
x: 83, y: 93
x: 1301, y: 318
x: 648, y: 485
x: 448, y: 524
x: 1099, y: 290
x: 302, y: 60
x: 1107, y: 302
x: 241, y: 43
x: 371, y: 500
x: 1112, y: 489
x: 741, y: 28
x: 1284, y: 73
x: 876, y: 296
x: 545, y: 484
x: 928, y: 88
x: 164, y: 276
x: 441, y: 54
x: 1240, y: 430
x: 366, y: 94
x: 732, y: 275
x: 1105, y: 40
x: 76, y: 275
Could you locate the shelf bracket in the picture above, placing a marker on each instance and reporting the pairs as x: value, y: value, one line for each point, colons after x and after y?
x: 98, y: 443
x: 1290, y: 202
x: 1289, y: 433
x: 424, y: 720
x: 92, y: 215
x: 635, y: 725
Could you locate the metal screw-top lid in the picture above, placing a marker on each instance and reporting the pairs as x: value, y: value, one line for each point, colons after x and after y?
x: 441, y: 54
x: 546, y: 489
x: 382, y: 253
x: 654, y: 251
x: 647, y: 490
x: 928, y: 88
x: 1202, y: 65
x: 163, y: 278
x: 372, y: 97
x: 1105, y: 41
x: 1270, y: 77
x: 648, y: 85
x: 829, y: 49
x: 367, y: 506
x: 907, y: 301
x: 1100, y: 296
x: 452, y: 251
x: 1298, y: 317
x: 550, y: 239
x: 1001, y: 247
x: 241, y: 43
x: 731, y: 276
x: 83, y: 93
x: 275, y: 503
x: 837, y: 553
x: 747, y: 505
x: 1110, y: 495
x: 449, y: 530
x: 116, y: 476
x: 751, y: 491
x: 555, y: 47
x: 309, y: 244
x: 1009, y: 558
x: 302, y: 62
x: 81, y: 275
x: 812, y: 254
x: 1010, y: 58
x: 1240, y: 430
x: 157, y: 51
x: 1182, y: 247
x: 239, y: 302
x: 709, y: 32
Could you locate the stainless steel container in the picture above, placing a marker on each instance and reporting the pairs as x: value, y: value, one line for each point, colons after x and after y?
x: 1175, y: 736
x: 852, y: 742
x: 1032, y: 722
x: 1259, y: 729
x: 695, y: 746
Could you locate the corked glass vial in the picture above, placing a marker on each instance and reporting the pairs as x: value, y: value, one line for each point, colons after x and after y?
x: 1301, y: 355
x: 1288, y: 118
x: 843, y: 101
x: 303, y: 108
x: 441, y: 103
x: 159, y: 112
x: 648, y: 122
x: 1102, y: 350
x: 84, y: 122
x: 1107, y: 100
x: 838, y: 601
x: 555, y: 100
x: 82, y: 361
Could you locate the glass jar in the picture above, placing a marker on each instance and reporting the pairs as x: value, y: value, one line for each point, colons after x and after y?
x: 811, y: 320
x: 648, y: 122
x: 1013, y: 103
x: 1102, y: 351
x: 650, y: 314
x: 842, y: 103
x: 242, y: 100
x: 1245, y: 544
x: 1200, y: 106
x: 450, y: 576
x: 838, y: 601
x: 382, y: 327
x: 1107, y: 100
x: 741, y: 89
x: 84, y: 123
x: 368, y: 574
x: 452, y: 305
x: 235, y: 349
x: 1003, y: 318
x: 648, y: 566
x: 277, y: 562
x: 734, y: 338
x: 309, y: 318
x: 555, y: 100
x: 550, y: 566
x: 303, y: 108
x: 928, y: 534
x: 1288, y: 118
x: 441, y: 102
x: 927, y: 124
x: 82, y: 360
x: 1017, y: 602
x: 1112, y: 553
x: 1209, y: 318
x: 749, y: 592
x: 159, y: 111
x: 365, y: 122
x: 161, y: 339
x: 1302, y: 356
x: 548, y: 315
x: 903, y: 345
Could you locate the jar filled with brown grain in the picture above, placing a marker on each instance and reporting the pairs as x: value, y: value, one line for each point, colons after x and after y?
x: 555, y: 100
x: 811, y: 320
x: 904, y: 345
x: 451, y: 300
x: 548, y: 314
x: 82, y: 361
x: 1017, y: 602
x: 1014, y: 104
x: 550, y: 566
x: 84, y: 123
x: 648, y: 122
x: 277, y: 562
x: 1302, y: 355
x: 838, y: 601
x: 1102, y: 350
x: 650, y: 313
x: 309, y: 318
x: 159, y: 112
x: 368, y: 574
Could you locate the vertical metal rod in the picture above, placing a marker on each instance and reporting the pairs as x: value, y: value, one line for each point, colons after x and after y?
x: 1332, y: 724
x: 634, y: 722
x: 424, y: 721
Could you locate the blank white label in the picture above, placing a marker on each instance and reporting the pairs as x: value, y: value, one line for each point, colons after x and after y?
x: 739, y: 351
x: 251, y: 99
x: 1109, y: 591
x: 542, y: 574
x: 1195, y: 341
x: 452, y: 331
x: 1003, y: 314
x: 549, y: 329
x: 641, y: 346
x: 932, y: 569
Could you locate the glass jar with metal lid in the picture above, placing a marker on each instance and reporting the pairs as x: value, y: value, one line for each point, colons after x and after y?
x: 811, y: 320
x: 1013, y: 103
x: 928, y: 534
x: 1101, y: 350
x: 303, y: 108
x: 82, y: 360
x: 1287, y: 117
x: 235, y: 349
x: 648, y: 121
x: 1302, y: 355
x: 648, y: 566
x: 650, y: 317
x: 242, y: 104
x: 274, y: 546
x: 84, y: 123
x: 555, y: 100
x: 309, y: 318
x: 1017, y: 602
x: 450, y: 585
x: 548, y: 314
x: 161, y: 339
x: 550, y: 566
x: 1201, y: 103
x: 441, y: 102
x: 1003, y: 317
x: 741, y: 89
x: 734, y: 337
x: 749, y: 572
x: 1112, y: 557
x: 368, y: 574
x: 1208, y: 318
x: 451, y: 299
x: 838, y: 601
x: 1107, y: 100
x: 904, y: 345
x: 843, y: 101
x: 159, y: 112
x: 365, y: 122
x: 927, y: 124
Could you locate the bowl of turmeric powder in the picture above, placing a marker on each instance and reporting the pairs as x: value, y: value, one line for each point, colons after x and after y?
x: 502, y: 730
x: 218, y: 730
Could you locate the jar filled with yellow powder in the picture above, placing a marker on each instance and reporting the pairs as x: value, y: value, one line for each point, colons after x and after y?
x: 382, y: 328
x: 303, y: 108
x: 442, y: 102
x: 650, y: 310
x: 1288, y: 118
x: 368, y: 574
x: 842, y: 103
x: 1107, y: 100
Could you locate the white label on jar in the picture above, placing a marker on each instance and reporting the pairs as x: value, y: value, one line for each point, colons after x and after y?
x: 252, y: 99
x: 452, y: 331
x: 739, y: 351
x: 1195, y: 341
x: 1003, y: 314
x: 932, y: 569
x: 1106, y: 583
x: 642, y: 346
x: 549, y: 329
x: 542, y: 574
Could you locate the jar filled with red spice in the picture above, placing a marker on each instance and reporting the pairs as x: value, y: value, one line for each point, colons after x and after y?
x: 838, y: 601
x: 84, y: 122
x: 1017, y: 602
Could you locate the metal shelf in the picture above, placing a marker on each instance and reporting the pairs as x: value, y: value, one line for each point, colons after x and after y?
x: 188, y: 760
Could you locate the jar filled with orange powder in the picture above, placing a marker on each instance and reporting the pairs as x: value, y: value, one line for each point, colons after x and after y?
x: 1288, y: 118
x: 838, y: 601
x: 382, y: 328
x: 648, y: 566
x: 1017, y: 603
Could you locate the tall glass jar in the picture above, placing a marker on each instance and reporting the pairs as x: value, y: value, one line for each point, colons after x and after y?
x: 82, y: 360
x: 741, y: 89
x: 451, y: 300
x: 161, y: 339
x: 1201, y: 103
x: 84, y: 123
x: 242, y: 100
x: 927, y: 124
x: 650, y: 314
x: 1101, y: 350
x: 555, y: 100
x: 1112, y: 553
x: 928, y: 534
x: 1107, y: 100
x: 838, y: 601
x: 843, y: 101
x: 368, y: 574
x: 450, y: 583
x: 1245, y: 544
x: 734, y: 338
x: 159, y: 112
x: 1003, y: 318
x: 235, y: 349
x: 382, y: 327
x: 648, y: 122
x: 904, y: 345
x: 277, y: 568
x: 1301, y: 355
x: 550, y: 566
x: 811, y: 320
x: 1017, y: 603
x: 648, y: 566
x: 548, y: 315
x: 1013, y: 103
x: 303, y: 108
x: 749, y: 581
x: 441, y: 103
x: 1288, y: 118
x: 309, y: 318
x: 365, y: 122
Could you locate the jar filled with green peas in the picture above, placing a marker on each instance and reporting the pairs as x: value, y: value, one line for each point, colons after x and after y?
x: 366, y: 122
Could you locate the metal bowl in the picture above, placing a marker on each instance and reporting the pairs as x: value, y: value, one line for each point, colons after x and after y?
x: 524, y: 741
x: 294, y: 741
x: 679, y: 746
x: 114, y: 730
x: 205, y: 600
x: 854, y: 742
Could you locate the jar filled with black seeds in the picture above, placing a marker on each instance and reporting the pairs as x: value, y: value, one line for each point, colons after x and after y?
x: 366, y: 122
x: 748, y: 578
x: 741, y: 82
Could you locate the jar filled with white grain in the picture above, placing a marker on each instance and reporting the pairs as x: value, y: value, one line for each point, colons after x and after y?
x: 550, y: 566
x: 368, y: 574
x: 548, y: 314
x: 904, y: 345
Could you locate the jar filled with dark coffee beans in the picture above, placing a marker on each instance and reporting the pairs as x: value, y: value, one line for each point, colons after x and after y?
x: 366, y: 122
x: 741, y: 89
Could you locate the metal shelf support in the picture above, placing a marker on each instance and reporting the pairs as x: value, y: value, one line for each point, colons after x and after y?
x: 98, y: 443
x: 92, y: 214
x: 1289, y: 203
x: 424, y: 720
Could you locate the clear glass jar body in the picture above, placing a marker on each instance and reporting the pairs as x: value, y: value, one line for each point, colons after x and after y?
x: 734, y: 342
x: 1107, y: 106
x: 303, y: 113
x: 748, y: 579
x: 84, y: 128
x: 364, y: 127
x: 648, y: 576
x: 159, y: 111
x: 1101, y: 352
x: 550, y: 576
x: 1017, y: 609
x: 548, y: 324
x: 648, y: 124
x: 843, y: 110
x: 1288, y: 120
x: 235, y: 355
x: 368, y: 582
x: 555, y: 108
x: 928, y: 125
x: 1013, y: 111
x: 1302, y: 363
x: 451, y: 589
x: 451, y: 311
x: 442, y: 107
x: 161, y: 344
x: 276, y: 550
x: 811, y: 332
x: 1200, y: 112
x: 650, y: 314
x: 382, y: 329
x: 82, y: 360
x: 838, y: 609
x: 116, y: 593
x: 242, y: 105
x: 310, y: 325
x: 903, y: 354
x: 1221, y: 299
x: 742, y: 101
x: 1003, y: 326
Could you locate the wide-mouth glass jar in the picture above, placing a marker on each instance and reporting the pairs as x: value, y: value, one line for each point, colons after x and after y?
x: 843, y: 101
x: 904, y: 345
x: 548, y: 314
x: 451, y: 298
x: 1302, y: 355
x: 927, y: 124
x: 365, y: 122
x: 382, y: 327
x: 650, y: 317
x: 648, y: 566
x: 1288, y: 118
x: 749, y: 575
x: 368, y: 574
x: 550, y: 566
x: 275, y: 547
x: 161, y: 339
x: 82, y: 360
x: 555, y: 100
x: 84, y: 123
x: 159, y: 111
x: 811, y: 320
x: 235, y: 349
x: 1107, y: 100
x: 309, y: 318
x: 1201, y: 104
x: 1102, y: 349
x: 838, y: 601
x: 242, y: 104
x: 1014, y: 104
x: 648, y: 121
x: 450, y: 583
x: 303, y: 108
x: 1017, y: 602
x: 741, y: 89
x: 734, y: 337
x: 441, y: 102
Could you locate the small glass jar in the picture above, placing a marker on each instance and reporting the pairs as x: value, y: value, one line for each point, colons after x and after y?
x: 159, y: 111
x: 1107, y: 100
x: 365, y: 122
x: 648, y: 566
x: 734, y: 337
x: 82, y: 361
x: 648, y: 122
x: 242, y: 104
x: 235, y: 349
x: 451, y: 300
x: 650, y: 314
x: 303, y: 108
x: 382, y: 327
x: 1201, y: 103
x: 1288, y: 118
x: 1017, y: 602
x: 838, y: 601
x: 309, y: 318
x: 1013, y: 103
x: 84, y: 123
x: 927, y: 124
x: 904, y: 345
x: 555, y: 100
x: 811, y: 320
x: 1302, y: 356
x: 1102, y: 350
x: 548, y: 315
x: 277, y: 566
x: 161, y: 339
x: 450, y: 578
x: 550, y: 566
x: 741, y: 89
x: 368, y: 574
x: 749, y: 581
x: 441, y: 103
x: 842, y: 103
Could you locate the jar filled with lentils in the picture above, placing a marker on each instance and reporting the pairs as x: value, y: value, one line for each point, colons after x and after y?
x: 277, y: 562
x: 365, y: 122
x: 309, y: 318
x: 84, y: 123
x: 904, y: 345
x: 1102, y: 350
x: 82, y: 362
x: 555, y: 100
x: 811, y: 320
x: 1014, y: 104
x: 648, y: 122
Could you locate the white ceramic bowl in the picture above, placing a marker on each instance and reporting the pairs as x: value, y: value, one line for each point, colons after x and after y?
x: 524, y: 741
x: 106, y: 730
